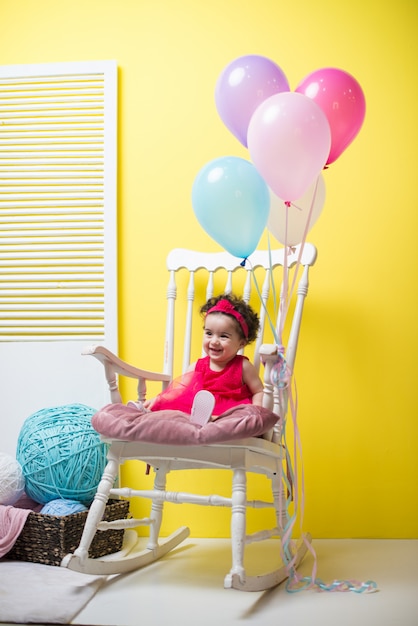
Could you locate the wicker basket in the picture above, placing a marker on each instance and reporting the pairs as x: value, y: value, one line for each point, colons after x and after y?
x: 48, y: 538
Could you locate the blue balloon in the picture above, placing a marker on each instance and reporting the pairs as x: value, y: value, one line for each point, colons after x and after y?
x: 232, y: 202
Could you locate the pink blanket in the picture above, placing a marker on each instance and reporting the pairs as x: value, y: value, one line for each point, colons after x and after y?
x: 118, y: 421
x: 12, y: 521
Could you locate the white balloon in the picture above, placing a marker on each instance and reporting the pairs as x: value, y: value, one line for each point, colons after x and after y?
x: 301, y: 214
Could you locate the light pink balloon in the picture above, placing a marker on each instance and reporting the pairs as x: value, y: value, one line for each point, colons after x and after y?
x: 289, y: 140
x: 291, y: 224
x: 242, y: 86
x: 341, y: 98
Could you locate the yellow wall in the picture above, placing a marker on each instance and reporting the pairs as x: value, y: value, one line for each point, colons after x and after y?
x: 357, y: 363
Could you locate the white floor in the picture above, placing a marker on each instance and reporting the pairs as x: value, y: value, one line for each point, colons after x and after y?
x: 186, y: 588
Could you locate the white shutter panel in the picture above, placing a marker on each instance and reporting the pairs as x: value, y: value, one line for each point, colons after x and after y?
x: 54, y: 158
x: 58, y: 269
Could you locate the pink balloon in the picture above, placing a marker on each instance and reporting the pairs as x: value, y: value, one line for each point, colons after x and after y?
x: 341, y: 98
x: 289, y: 141
x: 242, y: 86
x: 291, y: 224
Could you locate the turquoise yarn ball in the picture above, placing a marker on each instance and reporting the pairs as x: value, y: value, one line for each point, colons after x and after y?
x: 61, y: 454
x: 62, y: 507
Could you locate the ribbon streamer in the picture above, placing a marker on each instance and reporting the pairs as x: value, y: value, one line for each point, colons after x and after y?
x: 282, y: 378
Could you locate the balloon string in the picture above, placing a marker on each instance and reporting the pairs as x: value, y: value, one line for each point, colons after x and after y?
x: 271, y: 277
x: 302, y: 243
x: 282, y: 378
x: 296, y: 583
x: 308, y: 220
x: 263, y: 304
x: 283, y: 302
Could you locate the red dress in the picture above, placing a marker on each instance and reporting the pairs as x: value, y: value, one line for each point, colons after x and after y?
x: 227, y: 386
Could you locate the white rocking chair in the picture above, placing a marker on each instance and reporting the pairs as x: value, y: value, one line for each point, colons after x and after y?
x: 261, y: 454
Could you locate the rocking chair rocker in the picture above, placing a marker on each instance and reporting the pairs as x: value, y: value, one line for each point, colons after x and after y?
x: 243, y: 442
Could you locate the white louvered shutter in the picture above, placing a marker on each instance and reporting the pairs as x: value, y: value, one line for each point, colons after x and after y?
x: 57, y: 235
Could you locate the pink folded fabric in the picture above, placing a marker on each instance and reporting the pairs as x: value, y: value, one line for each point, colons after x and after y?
x: 12, y: 521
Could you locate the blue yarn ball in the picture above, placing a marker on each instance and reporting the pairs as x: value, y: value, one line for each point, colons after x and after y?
x: 61, y: 454
x: 62, y: 507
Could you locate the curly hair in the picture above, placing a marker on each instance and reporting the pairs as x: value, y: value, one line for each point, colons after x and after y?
x: 249, y: 315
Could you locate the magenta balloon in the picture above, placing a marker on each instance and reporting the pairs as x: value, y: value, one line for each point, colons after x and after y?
x: 289, y: 141
x: 242, y: 86
x: 341, y: 98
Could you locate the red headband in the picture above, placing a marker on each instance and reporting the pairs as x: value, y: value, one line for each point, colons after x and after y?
x: 224, y: 306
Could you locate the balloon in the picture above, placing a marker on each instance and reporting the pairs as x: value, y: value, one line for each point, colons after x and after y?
x: 301, y: 214
x: 289, y: 139
x: 242, y: 86
x: 231, y: 202
x: 341, y: 98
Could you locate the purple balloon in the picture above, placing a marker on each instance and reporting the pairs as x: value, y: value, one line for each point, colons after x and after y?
x: 242, y: 86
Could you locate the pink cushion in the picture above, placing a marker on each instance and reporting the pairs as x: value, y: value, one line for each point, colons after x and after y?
x: 118, y: 421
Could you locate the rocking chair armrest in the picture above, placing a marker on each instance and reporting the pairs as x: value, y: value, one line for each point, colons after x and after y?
x: 268, y: 349
x: 268, y: 354
x: 268, y: 357
x: 107, y: 358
